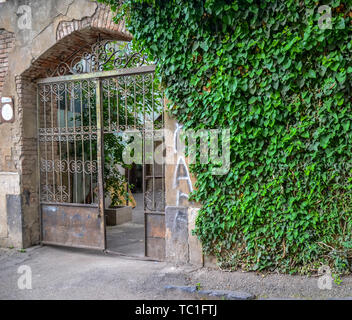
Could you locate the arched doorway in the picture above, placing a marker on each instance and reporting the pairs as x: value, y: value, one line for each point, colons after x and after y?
x: 101, y: 98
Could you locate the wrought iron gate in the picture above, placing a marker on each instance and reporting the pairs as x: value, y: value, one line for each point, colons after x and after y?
x: 86, y: 110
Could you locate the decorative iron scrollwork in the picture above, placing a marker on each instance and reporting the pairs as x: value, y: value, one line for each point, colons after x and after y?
x: 59, y: 195
x: 72, y: 166
x: 101, y: 56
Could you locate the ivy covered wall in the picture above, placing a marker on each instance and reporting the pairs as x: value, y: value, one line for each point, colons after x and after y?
x: 278, y: 74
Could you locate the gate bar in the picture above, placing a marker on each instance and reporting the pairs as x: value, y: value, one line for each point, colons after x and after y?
x: 102, y: 74
x: 38, y: 170
x: 100, y: 155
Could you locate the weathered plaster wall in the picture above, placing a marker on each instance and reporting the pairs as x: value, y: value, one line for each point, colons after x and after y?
x: 180, y: 245
x: 9, y: 185
x: 34, y: 36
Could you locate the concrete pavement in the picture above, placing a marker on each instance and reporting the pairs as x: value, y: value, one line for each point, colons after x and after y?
x: 63, y: 273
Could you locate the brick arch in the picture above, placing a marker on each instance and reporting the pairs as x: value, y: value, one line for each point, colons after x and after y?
x: 70, y: 37
x: 76, y: 34
x: 102, y: 19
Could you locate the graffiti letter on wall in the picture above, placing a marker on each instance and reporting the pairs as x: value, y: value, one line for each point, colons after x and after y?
x: 180, y: 197
x: 181, y: 165
x: 181, y: 169
x: 178, y: 143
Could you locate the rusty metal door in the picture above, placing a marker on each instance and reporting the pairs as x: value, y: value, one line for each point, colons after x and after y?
x: 154, y: 188
x: 70, y: 163
x: 98, y: 95
x: 133, y: 106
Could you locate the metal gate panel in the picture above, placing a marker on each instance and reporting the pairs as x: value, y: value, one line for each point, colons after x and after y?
x: 154, y: 189
x: 132, y: 105
x: 69, y: 140
x: 155, y: 235
x: 72, y: 226
x: 99, y: 91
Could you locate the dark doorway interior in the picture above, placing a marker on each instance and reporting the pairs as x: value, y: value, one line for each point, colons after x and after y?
x: 135, y: 178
